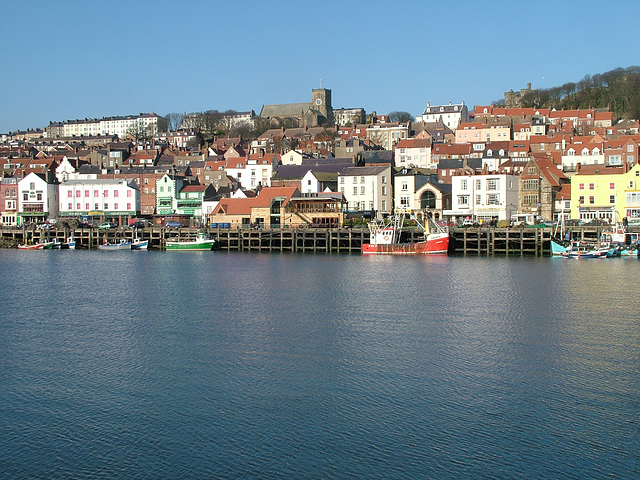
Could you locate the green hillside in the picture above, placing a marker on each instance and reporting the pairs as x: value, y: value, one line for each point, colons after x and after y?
x: 617, y: 89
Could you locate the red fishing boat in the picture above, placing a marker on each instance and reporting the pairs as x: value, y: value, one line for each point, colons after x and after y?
x: 385, y: 238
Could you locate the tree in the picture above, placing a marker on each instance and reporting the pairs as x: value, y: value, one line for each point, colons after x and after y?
x: 400, y: 117
x: 174, y: 120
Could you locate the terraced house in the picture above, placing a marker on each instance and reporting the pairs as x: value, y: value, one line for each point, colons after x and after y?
x: 607, y: 193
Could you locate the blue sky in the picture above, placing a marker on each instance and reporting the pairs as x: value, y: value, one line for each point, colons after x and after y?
x: 73, y: 59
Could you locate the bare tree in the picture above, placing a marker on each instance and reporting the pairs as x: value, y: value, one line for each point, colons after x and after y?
x: 174, y: 120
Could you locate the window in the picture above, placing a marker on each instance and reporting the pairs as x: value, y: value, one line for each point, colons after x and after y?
x: 355, y: 179
x: 25, y: 196
x: 106, y: 193
x: 384, y: 179
x: 86, y: 193
x: 463, y: 199
x: 128, y: 206
x: 70, y: 194
x: 355, y: 190
x: 463, y: 185
x: 581, y: 186
x: 612, y: 199
x: 70, y: 206
x: 612, y: 186
x: 478, y: 199
x: 592, y: 186
x: 592, y: 200
x: 492, y: 184
x: 116, y: 193
x: 106, y: 206
x: 384, y: 205
x: 77, y: 206
x: 384, y: 190
x: 86, y: 206
x: 581, y: 199
x: 405, y: 201
x: 128, y: 193
x: 493, y: 199
x: 478, y: 184
x: 361, y: 179
x: 78, y: 193
x: 115, y: 206
x: 341, y: 179
x: 362, y: 190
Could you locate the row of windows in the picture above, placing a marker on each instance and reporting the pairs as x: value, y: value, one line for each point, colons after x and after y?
x: 96, y: 193
x: 592, y: 199
x: 383, y: 179
x: 97, y: 206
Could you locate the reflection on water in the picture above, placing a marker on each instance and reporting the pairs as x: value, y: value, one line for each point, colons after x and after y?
x: 225, y: 365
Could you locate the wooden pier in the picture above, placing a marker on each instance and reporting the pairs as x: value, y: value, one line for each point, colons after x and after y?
x: 465, y: 241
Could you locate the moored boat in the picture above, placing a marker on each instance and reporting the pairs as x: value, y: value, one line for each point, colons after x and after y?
x: 559, y: 249
x: 35, y: 246
x: 582, y: 250
x: 201, y: 243
x: 139, y: 244
x: 70, y: 243
x: 121, y: 245
x: 385, y: 238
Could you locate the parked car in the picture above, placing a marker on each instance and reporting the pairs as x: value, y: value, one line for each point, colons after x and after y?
x: 173, y: 224
x: 105, y: 225
x: 138, y: 224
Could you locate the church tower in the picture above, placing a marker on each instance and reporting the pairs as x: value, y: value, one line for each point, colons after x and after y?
x: 321, y: 99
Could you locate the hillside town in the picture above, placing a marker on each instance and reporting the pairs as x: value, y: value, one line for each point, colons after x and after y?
x: 316, y: 165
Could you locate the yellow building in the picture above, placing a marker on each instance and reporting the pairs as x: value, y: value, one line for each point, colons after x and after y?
x: 605, y: 193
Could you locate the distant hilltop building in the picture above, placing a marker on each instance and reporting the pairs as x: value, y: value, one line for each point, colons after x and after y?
x: 120, y: 126
x: 514, y: 99
x: 450, y: 115
x: 314, y: 114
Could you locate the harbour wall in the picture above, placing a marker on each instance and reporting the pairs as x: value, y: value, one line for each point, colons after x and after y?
x: 465, y: 241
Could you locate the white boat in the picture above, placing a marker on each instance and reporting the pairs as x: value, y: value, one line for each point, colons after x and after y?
x: 122, y: 245
x: 70, y: 243
x: 585, y: 250
x: 139, y: 244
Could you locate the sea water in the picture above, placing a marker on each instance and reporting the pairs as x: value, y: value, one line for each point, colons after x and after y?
x: 241, y: 365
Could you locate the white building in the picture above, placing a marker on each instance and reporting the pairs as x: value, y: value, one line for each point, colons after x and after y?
x: 367, y: 189
x: 120, y: 126
x: 257, y: 171
x: 584, y: 154
x: 452, y: 115
x: 110, y: 198
x: 37, y: 199
x: 483, y: 197
x: 414, y: 152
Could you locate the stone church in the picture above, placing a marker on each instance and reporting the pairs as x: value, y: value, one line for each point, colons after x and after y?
x: 316, y: 113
